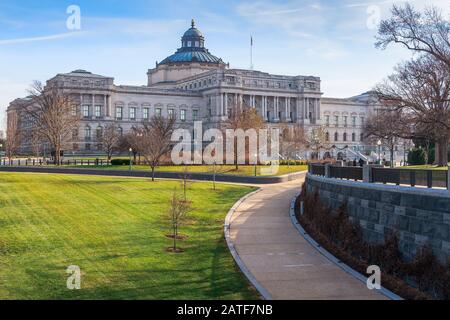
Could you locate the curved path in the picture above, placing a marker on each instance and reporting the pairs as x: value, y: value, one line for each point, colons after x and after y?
x: 280, y: 259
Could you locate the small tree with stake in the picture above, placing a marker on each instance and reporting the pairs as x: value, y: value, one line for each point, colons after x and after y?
x: 178, y: 210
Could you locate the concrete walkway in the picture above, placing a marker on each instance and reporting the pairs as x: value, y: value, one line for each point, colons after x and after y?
x: 280, y: 259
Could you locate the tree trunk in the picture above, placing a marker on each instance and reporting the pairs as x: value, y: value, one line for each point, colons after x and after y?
x: 153, y: 173
x: 57, y: 155
x: 442, y: 151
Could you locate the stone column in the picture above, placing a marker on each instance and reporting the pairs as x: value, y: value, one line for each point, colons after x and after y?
x: 318, y: 110
x: 104, y: 106
x: 225, y: 109
x: 93, y: 106
x: 306, y: 108
x: 109, y: 106
x: 298, y: 109
x: 276, y: 111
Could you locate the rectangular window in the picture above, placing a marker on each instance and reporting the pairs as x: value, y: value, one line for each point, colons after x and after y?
x: 132, y: 113
x: 145, y: 113
x: 88, y: 146
x: 171, y: 113
x: 354, y: 121
x: 327, y: 120
x: 183, y: 115
x: 158, y: 112
x: 336, y: 120
x: 345, y: 121
x: 119, y: 113
x: 86, y: 111
x: 195, y: 115
x: 362, y: 121
x: 98, y: 111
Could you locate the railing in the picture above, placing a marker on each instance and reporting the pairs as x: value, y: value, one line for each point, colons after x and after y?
x: 318, y: 170
x: 46, y: 162
x: 373, y: 174
x: 349, y: 173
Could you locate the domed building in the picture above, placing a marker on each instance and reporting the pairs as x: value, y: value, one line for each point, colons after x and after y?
x: 189, y: 60
x: 194, y: 85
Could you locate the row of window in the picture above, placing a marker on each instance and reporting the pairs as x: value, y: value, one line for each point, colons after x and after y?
x: 132, y: 113
x: 344, y: 137
x: 344, y: 121
x: 171, y: 113
x: 88, y: 133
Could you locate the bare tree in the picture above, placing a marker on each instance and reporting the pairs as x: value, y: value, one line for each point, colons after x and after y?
x: 13, y: 135
x: 53, y: 116
x: 318, y: 140
x: 426, y: 32
x: 294, y: 139
x: 178, y: 211
x: 244, y: 118
x: 154, y: 140
x: 389, y: 126
x: 110, y: 139
x: 421, y: 89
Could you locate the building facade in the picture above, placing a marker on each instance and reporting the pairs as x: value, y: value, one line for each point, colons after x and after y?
x: 194, y: 85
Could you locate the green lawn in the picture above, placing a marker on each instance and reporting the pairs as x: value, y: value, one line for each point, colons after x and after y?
x: 114, y: 230
x: 223, y: 169
x: 427, y: 166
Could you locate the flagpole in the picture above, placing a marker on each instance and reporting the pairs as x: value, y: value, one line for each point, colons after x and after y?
x: 251, y: 52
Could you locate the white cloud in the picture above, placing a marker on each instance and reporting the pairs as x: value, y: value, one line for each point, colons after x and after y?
x: 41, y: 38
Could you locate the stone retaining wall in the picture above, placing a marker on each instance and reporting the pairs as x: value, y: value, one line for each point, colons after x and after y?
x: 421, y: 216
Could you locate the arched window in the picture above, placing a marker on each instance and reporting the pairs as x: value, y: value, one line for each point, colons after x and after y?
x: 336, y: 136
x: 353, y: 137
x: 327, y: 136
x: 345, y: 136
x: 99, y: 132
x: 87, y: 132
x: 362, y: 137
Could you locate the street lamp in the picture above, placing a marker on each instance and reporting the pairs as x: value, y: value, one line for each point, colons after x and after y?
x: 256, y: 162
x: 379, y: 151
x: 131, y: 165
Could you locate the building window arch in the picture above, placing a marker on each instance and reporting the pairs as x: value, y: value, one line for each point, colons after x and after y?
x: 87, y: 132
x: 336, y: 136
x: 99, y: 132
x: 327, y: 136
x: 353, y: 137
x: 345, y: 136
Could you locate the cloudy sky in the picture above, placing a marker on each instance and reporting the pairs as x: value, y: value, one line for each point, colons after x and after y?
x: 330, y: 39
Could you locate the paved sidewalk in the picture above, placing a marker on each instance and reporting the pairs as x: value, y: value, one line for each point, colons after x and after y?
x: 285, y: 264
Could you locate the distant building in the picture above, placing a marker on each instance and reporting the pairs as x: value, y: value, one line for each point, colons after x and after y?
x: 194, y: 85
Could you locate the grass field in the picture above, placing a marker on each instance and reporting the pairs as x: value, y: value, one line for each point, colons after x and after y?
x: 223, y: 169
x: 114, y: 230
x: 427, y: 166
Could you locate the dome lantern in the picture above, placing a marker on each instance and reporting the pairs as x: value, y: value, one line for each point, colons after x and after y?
x: 192, y: 49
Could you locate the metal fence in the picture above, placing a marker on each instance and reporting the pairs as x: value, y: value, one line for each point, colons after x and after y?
x: 41, y: 162
x: 409, y: 177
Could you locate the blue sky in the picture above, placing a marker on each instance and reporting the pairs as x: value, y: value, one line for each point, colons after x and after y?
x: 330, y: 39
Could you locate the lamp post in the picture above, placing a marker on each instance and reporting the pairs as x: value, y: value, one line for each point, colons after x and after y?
x: 379, y: 151
x: 1, y: 147
x: 131, y: 165
x: 256, y: 163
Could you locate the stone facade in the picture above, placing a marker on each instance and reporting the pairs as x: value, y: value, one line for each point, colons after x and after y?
x: 193, y: 85
x: 420, y: 216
